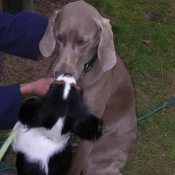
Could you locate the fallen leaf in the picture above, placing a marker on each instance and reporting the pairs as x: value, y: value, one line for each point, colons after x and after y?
x: 146, y: 41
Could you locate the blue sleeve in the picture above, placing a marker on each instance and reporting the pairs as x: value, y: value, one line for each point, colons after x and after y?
x: 21, y: 33
x: 10, y: 103
x: 0, y: 60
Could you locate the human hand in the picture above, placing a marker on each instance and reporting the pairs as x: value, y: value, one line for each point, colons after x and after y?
x: 38, y: 88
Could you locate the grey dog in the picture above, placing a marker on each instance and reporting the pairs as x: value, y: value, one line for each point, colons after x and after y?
x: 86, y: 50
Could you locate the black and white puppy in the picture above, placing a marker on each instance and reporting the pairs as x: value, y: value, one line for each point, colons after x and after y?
x: 46, y: 125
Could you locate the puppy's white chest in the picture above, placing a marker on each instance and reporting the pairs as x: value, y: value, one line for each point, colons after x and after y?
x: 39, y: 144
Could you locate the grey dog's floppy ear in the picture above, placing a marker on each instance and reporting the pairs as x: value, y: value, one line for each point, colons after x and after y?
x: 106, y: 49
x: 48, y: 42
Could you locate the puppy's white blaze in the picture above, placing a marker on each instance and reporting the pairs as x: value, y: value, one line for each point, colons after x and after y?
x: 39, y: 143
x: 66, y: 91
x: 67, y: 79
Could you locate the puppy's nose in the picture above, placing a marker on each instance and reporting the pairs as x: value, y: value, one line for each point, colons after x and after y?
x: 67, y: 75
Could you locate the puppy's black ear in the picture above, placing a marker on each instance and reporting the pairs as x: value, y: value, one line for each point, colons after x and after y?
x: 29, y: 111
x: 78, y: 120
x: 53, y: 107
x: 44, y: 112
x: 88, y: 126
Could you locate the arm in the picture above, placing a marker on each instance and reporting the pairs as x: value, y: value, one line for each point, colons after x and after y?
x: 11, y: 99
x: 38, y: 88
x: 10, y: 103
x: 21, y: 33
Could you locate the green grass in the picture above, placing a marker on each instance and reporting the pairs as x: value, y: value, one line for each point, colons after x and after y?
x: 152, y: 68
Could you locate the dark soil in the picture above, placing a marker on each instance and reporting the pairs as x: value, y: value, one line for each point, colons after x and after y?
x: 19, y: 70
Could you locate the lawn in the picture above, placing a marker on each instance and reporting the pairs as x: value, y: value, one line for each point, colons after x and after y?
x: 152, y: 69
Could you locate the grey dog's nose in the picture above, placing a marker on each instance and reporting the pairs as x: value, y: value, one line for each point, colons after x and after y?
x: 67, y: 75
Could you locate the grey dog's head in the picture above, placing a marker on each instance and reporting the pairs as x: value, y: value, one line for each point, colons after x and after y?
x: 80, y: 32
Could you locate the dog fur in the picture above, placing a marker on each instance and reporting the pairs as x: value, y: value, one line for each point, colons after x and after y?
x: 46, y: 125
x: 81, y: 32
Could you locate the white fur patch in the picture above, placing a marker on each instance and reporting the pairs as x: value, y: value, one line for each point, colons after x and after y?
x: 66, y: 90
x: 39, y: 144
x: 67, y: 79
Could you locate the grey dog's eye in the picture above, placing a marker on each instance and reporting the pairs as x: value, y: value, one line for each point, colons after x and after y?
x: 59, y: 38
x: 82, y: 42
